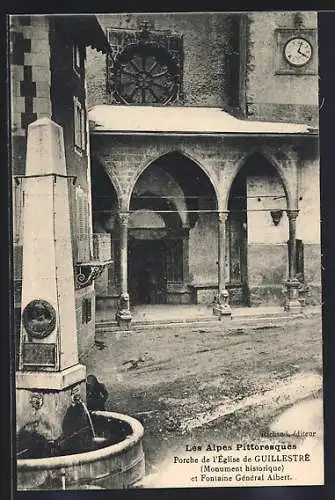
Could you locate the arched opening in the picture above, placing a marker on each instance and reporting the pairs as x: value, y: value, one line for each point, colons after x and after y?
x: 172, y: 230
x: 106, y: 241
x: 257, y: 234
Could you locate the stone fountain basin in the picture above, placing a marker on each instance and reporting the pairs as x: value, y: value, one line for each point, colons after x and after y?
x: 115, y: 466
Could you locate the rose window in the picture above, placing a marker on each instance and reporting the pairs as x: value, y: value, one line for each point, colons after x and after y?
x: 145, y: 75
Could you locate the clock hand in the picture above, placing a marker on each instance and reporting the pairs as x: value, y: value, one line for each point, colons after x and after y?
x: 301, y: 53
x: 298, y: 50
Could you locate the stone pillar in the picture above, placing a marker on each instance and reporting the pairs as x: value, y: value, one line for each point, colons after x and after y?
x: 221, y: 301
x: 292, y: 284
x: 49, y: 370
x: 123, y: 314
x: 185, y: 241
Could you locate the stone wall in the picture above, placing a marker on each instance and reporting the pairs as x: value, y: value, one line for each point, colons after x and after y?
x: 230, y: 61
x: 29, y: 97
x: 271, y: 94
x: 208, y: 41
x: 30, y: 71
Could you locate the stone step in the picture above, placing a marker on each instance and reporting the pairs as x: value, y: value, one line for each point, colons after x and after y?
x: 273, y: 317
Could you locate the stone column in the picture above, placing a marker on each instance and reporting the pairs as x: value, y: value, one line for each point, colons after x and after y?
x: 123, y: 315
x: 221, y: 305
x: 49, y: 370
x: 185, y: 241
x: 292, y: 284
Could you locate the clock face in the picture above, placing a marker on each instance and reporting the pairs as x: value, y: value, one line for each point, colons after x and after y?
x: 298, y: 51
x: 145, y: 75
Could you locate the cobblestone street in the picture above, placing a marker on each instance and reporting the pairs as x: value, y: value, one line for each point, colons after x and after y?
x: 225, y: 380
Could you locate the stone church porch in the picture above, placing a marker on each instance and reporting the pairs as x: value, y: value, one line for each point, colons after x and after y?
x: 205, y: 199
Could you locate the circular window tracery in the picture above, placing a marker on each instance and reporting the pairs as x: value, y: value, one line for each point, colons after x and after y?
x: 145, y: 75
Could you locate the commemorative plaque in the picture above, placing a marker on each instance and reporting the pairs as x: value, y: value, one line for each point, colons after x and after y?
x: 39, y: 318
x: 39, y: 355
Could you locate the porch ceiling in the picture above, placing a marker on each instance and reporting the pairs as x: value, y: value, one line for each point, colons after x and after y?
x: 108, y: 118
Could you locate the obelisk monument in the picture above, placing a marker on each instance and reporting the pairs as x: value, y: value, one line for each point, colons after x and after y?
x: 50, y: 376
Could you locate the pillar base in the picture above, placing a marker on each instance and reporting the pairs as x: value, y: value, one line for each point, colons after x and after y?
x: 293, y: 306
x: 52, y: 381
x: 221, y: 306
x: 292, y: 303
x: 123, y: 318
x: 222, y: 310
x: 43, y: 399
x: 123, y: 314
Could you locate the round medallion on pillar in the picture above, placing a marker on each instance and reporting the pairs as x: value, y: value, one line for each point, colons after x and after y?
x: 39, y: 318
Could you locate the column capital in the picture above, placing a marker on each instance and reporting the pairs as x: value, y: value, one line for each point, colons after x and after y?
x: 292, y: 214
x: 222, y: 216
x: 123, y: 218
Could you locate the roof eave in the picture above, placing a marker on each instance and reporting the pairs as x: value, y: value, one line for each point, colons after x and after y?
x: 85, y: 29
x: 93, y: 131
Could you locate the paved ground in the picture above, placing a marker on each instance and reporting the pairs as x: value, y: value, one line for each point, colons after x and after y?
x: 186, y: 313
x: 188, y: 383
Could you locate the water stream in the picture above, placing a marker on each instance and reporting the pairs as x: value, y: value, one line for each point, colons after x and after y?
x: 89, y: 419
x: 82, y: 432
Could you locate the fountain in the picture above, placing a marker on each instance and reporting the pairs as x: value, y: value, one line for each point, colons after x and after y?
x: 60, y: 443
x: 113, y: 460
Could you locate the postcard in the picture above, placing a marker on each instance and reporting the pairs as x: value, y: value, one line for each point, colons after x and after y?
x: 166, y: 245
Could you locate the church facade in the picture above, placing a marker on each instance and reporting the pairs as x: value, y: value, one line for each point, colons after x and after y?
x: 191, y: 144
x: 205, y: 161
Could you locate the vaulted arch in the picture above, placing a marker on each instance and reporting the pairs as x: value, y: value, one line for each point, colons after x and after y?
x: 174, y: 187
x: 273, y: 165
x: 105, y: 197
x: 181, y: 156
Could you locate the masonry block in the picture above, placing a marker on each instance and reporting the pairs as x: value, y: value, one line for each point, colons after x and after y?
x: 43, y: 90
x: 40, y: 45
x: 42, y: 106
x: 16, y: 73
x: 41, y: 73
x: 36, y: 58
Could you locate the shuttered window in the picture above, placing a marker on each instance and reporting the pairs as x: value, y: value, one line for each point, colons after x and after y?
x: 82, y: 225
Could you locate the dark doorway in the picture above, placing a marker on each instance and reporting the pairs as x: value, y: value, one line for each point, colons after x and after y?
x: 147, y: 271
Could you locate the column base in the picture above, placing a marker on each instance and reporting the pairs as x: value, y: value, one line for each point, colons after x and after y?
x: 52, y: 381
x: 221, y: 306
x: 123, y: 314
x: 43, y: 399
x: 222, y: 310
x: 293, y: 306
x: 123, y: 318
x: 292, y: 303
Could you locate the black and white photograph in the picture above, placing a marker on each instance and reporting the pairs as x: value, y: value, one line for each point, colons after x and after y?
x: 166, y: 280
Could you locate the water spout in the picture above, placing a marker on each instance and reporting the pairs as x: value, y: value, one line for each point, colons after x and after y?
x: 77, y: 400
x: 89, y: 419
